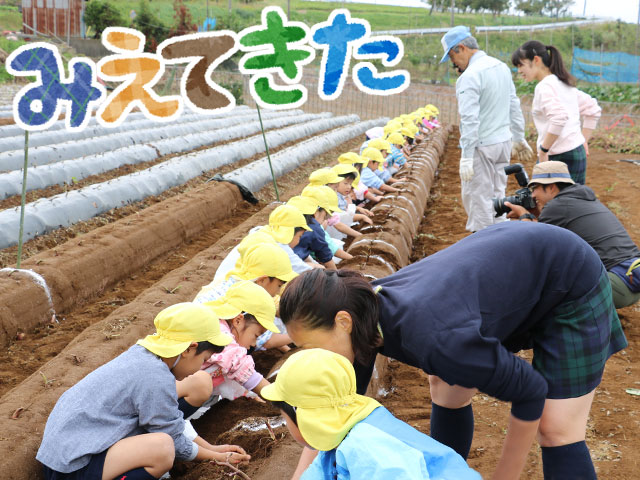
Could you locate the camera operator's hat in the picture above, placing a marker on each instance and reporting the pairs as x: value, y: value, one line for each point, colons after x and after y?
x: 551, y: 171
x: 452, y: 38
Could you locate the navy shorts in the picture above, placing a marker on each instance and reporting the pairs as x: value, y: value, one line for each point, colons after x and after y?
x: 91, y: 471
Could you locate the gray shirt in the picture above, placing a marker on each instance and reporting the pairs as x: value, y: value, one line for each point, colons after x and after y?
x: 133, y: 394
x: 576, y: 208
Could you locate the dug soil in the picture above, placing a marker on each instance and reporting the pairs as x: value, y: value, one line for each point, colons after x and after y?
x: 613, y: 432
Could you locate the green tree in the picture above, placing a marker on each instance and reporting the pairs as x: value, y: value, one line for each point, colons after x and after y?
x: 556, y: 8
x: 530, y: 7
x: 99, y: 14
x: 146, y: 22
x: 493, y: 6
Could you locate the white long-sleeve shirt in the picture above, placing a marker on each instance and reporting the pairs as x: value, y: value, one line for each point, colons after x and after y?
x: 557, y: 108
x: 488, y: 105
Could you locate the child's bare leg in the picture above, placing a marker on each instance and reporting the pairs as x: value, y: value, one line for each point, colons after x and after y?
x: 152, y: 451
x: 195, y: 389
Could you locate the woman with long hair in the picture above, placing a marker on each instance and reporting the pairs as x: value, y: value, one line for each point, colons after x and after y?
x: 557, y: 107
x: 460, y: 314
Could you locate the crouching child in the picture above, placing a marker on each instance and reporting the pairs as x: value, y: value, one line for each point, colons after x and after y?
x: 357, y: 437
x: 122, y: 420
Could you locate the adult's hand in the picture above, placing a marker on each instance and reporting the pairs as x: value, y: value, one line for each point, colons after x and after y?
x: 521, y: 151
x: 516, y: 211
x: 543, y: 156
x: 586, y: 148
x: 466, y: 169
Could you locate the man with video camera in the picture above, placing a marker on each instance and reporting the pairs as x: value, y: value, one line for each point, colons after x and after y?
x: 561, y: 202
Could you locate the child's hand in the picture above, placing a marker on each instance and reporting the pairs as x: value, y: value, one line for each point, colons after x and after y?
x: 231, y: 454
x: 367, y: 220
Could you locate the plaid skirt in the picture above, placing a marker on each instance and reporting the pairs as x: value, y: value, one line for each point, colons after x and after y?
x: 576, y: 160
x: 571, y: 348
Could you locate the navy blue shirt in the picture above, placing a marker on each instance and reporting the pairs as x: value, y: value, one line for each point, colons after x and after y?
x: 459, y: 313
x: 314, y: 242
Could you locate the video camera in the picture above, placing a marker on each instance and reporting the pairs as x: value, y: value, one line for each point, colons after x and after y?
x: 521, y: 197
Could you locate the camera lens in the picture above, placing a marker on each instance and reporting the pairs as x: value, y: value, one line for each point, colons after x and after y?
x: 500, y: 207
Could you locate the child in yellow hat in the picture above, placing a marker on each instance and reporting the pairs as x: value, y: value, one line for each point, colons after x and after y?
x: 313, y: 243
x: 122, y: 420
x: 246, y: 311
x: 396, y: 157
x: 356, y: 436
x: 338, y: 225
x: 286, y: 226
x: 374, y: 162
x: 385, y: 149
x: 360, y: 191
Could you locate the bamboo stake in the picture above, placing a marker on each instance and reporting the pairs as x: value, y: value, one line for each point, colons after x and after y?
x: 24, y: 195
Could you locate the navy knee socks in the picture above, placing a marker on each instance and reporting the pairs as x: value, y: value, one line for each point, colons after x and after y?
x: 453, y: 427
x: 568, y: 462
x: 136, y: 474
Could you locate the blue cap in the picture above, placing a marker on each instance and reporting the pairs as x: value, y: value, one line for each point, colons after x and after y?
x: 452, y: 38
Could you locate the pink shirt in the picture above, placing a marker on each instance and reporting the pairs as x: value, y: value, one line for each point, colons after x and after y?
x: 233, y: 363
x: 557, y: 109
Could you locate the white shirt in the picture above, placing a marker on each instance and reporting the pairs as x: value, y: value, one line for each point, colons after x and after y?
x: 489, y: 108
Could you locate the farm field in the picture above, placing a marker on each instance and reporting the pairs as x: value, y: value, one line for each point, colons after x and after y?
x: 196, y: 222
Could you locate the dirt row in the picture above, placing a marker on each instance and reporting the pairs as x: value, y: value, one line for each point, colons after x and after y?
x: 613, y: 432
x: 106, y: 338
x: 41, y: 343
x: 57, y: 237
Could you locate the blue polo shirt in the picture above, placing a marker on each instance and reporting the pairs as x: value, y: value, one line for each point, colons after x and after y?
x: 459, y: 313
x: 370, y: 179
x: 314, y: 242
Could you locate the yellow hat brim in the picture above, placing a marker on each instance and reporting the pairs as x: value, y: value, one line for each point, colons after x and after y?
x: 167, y: 348
x: 227, y: 311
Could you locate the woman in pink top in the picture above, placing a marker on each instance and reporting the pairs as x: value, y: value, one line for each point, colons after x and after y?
x: 557, y: 108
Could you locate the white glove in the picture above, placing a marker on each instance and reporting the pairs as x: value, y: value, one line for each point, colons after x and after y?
x: 521, y: 151
x: 466, y: 169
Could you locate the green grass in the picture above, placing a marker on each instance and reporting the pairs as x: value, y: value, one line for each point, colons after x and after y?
x: 380, y: 17
x: 10, y: 18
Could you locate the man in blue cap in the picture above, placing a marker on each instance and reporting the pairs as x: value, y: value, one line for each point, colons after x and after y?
x: 491, y: 125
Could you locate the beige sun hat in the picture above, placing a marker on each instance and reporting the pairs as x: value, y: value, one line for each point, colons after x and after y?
x: 550, y: 171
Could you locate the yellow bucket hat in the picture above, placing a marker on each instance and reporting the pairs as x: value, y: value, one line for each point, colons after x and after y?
x: 323, y: 176
x: 283, y: 221
x: 396, y: 138
x: 351, y: 158
x: 260, y: 258
x: 344, y: 168
x: 380, y: 144
x: 327, y: 405
x: 246, y: 296
x: 180, y: 325
x: 325, y: 196
x: 392, y: 127
x: 407, y: 132
x: 373, y: 155
x: 306, y: 205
